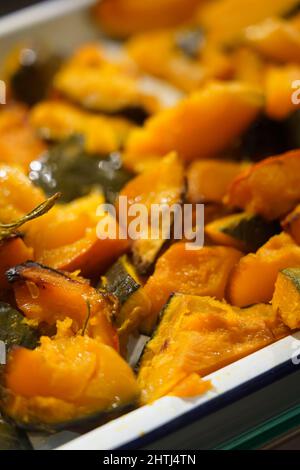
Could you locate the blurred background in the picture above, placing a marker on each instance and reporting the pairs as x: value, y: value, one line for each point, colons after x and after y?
x: 12, y: 5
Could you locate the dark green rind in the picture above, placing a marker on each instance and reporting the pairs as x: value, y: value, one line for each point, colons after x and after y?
x: 14, y: 331
x: 67, y: 168
x: 11, y: 438
x: 254, y: 231
x: 119, y: 282
x: 294, y: 275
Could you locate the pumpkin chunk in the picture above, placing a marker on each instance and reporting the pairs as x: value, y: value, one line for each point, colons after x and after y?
x: 291, y: 224
x: 162, y: 185
x: 199, y: 272
x: 276, y: 39
x: 286, y: 298
x: 270, y: 188
x: 278, y: 89
x: 65, y: 381
x: 200, y: 335
x: 253, y: 279
x: 209, y: 180
x: 190, y: 127
x: 45, y: 295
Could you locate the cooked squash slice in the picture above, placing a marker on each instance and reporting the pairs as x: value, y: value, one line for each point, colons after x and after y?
x: 275, y: 39
x: 68, y: 238
x: 209, y: 180
x: 279, y: 91
x: 164, y: 184
x: 200, y: 335
x: 90, y: 79
x: 64, y: 382
x: 199, y: 272
x: 190, y: 127
x: 58, y: 120
x: 47, y: 296
x: 225, y: 20
x: 253, y: 279
x: 14, y: 331
x: 19, y: 144
x: 286, y: 298
x: 191, y: 387
x: 123, y: 281
x: 270, y: 188
x: 246, y: 232
x: 121, y: 18
x: 249, y: 66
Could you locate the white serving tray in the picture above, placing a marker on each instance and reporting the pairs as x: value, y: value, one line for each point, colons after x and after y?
x: 65, y: 24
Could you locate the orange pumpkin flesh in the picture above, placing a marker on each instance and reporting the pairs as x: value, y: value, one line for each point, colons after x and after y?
x: 200, y: 335
x: 253, y: 278
x: 66, y: 380
x: 262, y: 189
x: 45, y: 295
x: 199, y: 272
x: 13, y: 251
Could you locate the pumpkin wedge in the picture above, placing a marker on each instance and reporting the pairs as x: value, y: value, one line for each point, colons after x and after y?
x: 68, y: 238
x: 270, y: 188
x: 286, y: 298
x: 199, y: 272
x: 162, y: 185
x: 225, y: 20
x: 209, y: 180
x: 13, y: 251
x: 291, y: 224
x: 66, y: 382
x: 253, y: 279
x: 200, y: 335
x: 246, y: 232
x: 275, y: 39
x: 47, y: 296
x: 190, y: 127
x: 279, y: 90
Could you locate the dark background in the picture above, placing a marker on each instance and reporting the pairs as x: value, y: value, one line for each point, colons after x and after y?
x: 8, y: 6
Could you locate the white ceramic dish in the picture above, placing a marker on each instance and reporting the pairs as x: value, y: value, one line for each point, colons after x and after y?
x: 64, y: 24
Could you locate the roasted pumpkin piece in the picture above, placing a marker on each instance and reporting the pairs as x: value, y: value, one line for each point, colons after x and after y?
x: 253, y: 279
x: 270, y: 188
x: 13, y: 251
x: 200, y: 335
x: 291, y: 224
x: 190, y: 127
x: 209, y: 180
x: 286, y: 298
x: 275, y: 39
x: 246, y: 232
x: 186, y: 59
x: 68, y: 168
x: 19, y: 144
x: 123, y: 281
x: 47, y: 296
x: 122, y: 18
x: 17, y: 195
x: 225, y: 20
x: 199, y: 272
x: 66, y: 381
x: 162, y: 185
x: 90, y: 79
x: 14, y: 331
x: 279, y: 91
x: 58, y: 120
